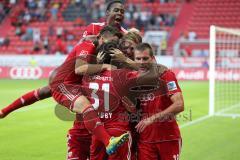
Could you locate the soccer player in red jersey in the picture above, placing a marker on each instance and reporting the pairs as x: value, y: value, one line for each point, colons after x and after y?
x: 160, y: 137
x: 65, y: 84
x: 114, y: 17
x: 76, y: 149
x: 106, y: 90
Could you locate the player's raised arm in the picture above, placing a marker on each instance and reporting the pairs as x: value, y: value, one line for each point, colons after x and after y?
x: 83, y: 68
x: 26, y: 99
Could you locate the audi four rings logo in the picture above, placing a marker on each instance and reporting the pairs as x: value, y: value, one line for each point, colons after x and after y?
x: 147, y: 97
x: 26, y: 72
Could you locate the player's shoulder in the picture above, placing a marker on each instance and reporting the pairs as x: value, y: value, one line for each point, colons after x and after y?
x: 168, y: 73
x: 85, y: 47
x: 94, y: 26
x: 93, y: 29
x: 98, y: 24
x: 83, y: 44
x: 161, y: 69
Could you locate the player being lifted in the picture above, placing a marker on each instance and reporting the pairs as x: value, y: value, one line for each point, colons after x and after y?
x: 114, y: 16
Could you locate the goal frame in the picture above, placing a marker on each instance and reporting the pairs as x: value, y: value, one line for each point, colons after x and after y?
x: 212, y: 63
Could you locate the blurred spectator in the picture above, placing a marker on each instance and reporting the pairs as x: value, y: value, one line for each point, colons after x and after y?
x: 19, y: 31
x: 59, y: 31
x: 36, y: 47
x: 163, y: 47
x: 46, y: 45
x: 4, y: 41
x: 51, y: 31
x: 150, y: 1
x: 69, y: 48
x: 169, y: 20
x: 27, y: 17
x: 31, y: 4
x: 28, y: 35
x: 2, y: 13
x: 68, y: 35
x: 192, y: 36
x: 60, y: 47
x: 36, y: 35
x: 12, y: 2
x: 5, y: 7
x: 54, y: 10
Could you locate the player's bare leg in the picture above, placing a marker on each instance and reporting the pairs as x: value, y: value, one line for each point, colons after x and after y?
x: 96, y: 127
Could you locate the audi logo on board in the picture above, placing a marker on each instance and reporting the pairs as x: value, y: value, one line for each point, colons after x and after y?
x: 147, y: 97
x: 26, y: 72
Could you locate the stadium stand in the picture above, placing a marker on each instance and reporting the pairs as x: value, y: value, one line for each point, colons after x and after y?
x: 54, y: 26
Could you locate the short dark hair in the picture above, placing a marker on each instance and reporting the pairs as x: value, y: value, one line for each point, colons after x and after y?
x: 112, y: 30
x: 144, y: 46
x: 111, y: 2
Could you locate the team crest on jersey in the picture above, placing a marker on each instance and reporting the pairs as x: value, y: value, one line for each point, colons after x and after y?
x: 83, y: 52
x: 172, y: 86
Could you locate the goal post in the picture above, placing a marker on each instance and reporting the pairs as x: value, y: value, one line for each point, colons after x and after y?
x: 224, y: 71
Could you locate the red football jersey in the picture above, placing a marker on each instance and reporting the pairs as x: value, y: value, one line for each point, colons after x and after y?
x: 103, y: 91
x: 66, y: 72
x: 94, y: 29
x: 152, y: 103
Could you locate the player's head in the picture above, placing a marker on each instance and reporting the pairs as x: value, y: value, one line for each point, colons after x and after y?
x: 107, y: 40
x: 104, y: 52
x: 129, y: 42
x: 115, y: 12
x: 107, y: 34
x: 143, y: 54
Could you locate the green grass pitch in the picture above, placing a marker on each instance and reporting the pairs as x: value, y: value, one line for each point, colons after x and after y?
x: 35, y: 133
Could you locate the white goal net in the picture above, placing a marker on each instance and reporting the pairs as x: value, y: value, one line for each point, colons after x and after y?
x: 224, y: 72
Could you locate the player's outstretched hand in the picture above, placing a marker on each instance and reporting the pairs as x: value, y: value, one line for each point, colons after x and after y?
x: 2, y: 115
x: 143, y: 124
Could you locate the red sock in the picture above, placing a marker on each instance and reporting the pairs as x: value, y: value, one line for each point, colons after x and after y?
x: 94, y: 125
x: 26, y: 99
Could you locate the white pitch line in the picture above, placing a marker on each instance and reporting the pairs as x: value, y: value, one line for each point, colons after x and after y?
x: 195, y: 121
x: 220, y: 113
x: 230, y: 108
x: 228, y: 115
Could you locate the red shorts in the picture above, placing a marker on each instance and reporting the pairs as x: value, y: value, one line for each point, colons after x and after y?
x: 79, y: 142
x: 66, y: 94
x: 167, y: 150
x: 98, y: 151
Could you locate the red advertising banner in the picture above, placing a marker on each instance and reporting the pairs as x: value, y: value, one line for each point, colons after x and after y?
x: 25, y: 72
x: 203, y: 74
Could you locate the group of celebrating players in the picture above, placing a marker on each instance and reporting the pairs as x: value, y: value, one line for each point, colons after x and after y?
x: 108, y: 76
